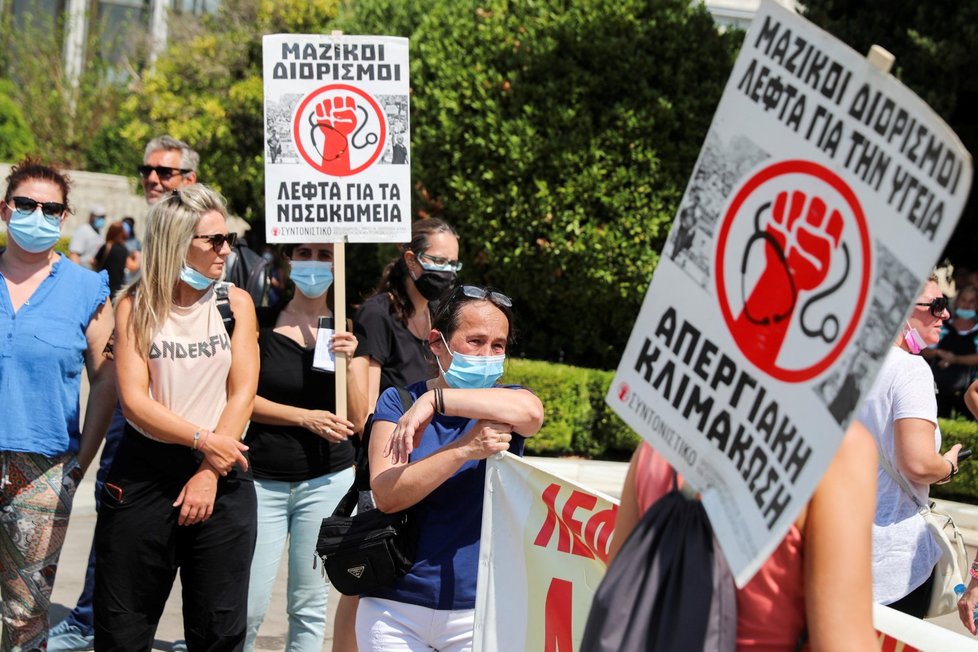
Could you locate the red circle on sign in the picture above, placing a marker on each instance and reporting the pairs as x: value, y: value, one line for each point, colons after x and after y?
x: 299, y: 117
x: 828, y: 177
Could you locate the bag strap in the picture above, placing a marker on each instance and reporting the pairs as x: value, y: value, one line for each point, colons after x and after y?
x: 885, y: 463
x: 224, y: 306
x: 361, y: 480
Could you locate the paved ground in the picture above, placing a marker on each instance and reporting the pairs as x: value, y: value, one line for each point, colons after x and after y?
x: 603, y: 476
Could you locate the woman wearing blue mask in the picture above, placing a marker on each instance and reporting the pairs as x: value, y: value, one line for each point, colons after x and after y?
x: 431, y: 459
x: 179, y: 495
x: 55, y: 320
x: 955, y: 358
x: 300, y: 450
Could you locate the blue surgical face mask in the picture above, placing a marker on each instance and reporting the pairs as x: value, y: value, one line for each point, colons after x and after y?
x: 195, y: 279
x: 472, y: 371
x: 312, y: 277
x: 965, y: 314
x: 34, y: 232
x: 99, y: 223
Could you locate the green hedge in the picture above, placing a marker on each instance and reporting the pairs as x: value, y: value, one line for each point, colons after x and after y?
x: 964, y: 487
x: 577, y: 421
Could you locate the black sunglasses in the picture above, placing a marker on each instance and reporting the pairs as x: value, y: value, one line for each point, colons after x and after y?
x: 49, y: 208
x: 162, y: 171
x: 937, y: 306
x: 475, y: 292
x: 217, y: 240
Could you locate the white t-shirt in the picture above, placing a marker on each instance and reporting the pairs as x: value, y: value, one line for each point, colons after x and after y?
x: 85, y: 242
x: 904, y: 553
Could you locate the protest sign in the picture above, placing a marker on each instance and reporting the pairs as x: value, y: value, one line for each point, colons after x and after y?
x: 823, y: 195
x: 543, y: 553
x: 337, y: 138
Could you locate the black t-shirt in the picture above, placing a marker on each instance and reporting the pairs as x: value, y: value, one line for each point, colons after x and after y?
x: 403, y: 358
x: 113, y: 261
x: 290, y: 453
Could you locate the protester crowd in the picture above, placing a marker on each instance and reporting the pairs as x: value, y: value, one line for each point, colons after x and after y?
x: 223, y: 444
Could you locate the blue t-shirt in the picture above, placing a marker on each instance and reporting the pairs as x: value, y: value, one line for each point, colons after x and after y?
x: 42, y: 354
x: 449, y: 519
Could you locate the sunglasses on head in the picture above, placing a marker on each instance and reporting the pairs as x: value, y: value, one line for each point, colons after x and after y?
x: 475, y: 292
x: 217, y: 240
x: 936, y: 306
x: 162, y: 171
x: 49, y: 208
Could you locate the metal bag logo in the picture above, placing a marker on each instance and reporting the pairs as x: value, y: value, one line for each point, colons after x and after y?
x: 339, y: 130
x: 792, y: 268
x: 356, y: 571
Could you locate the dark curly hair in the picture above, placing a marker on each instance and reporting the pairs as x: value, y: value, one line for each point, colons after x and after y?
x: 32, y: 168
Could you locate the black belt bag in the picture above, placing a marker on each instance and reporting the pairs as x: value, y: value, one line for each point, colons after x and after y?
x: 370, y: 550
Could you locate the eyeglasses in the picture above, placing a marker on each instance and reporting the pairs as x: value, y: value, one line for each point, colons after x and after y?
x: 937, y: 306
x: 49, y: 208
x: 162, y: 171
x: 217, y: 240
x: 475, y: 292
x: 440, y: 263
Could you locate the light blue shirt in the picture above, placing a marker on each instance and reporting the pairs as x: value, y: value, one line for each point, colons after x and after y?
x: 42, y: 354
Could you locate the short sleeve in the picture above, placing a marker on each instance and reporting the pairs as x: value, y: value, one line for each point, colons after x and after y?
x: 389, y: 406
x: 101, y: 293
x: 372, y: 326
x: 913, y: 392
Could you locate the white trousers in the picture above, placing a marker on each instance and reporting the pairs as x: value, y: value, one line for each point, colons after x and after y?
x: 387, y: 625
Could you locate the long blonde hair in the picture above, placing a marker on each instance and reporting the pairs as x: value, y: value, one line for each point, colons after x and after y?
x: 171, y: 225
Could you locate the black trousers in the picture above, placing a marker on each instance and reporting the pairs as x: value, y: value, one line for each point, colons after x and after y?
x: 917, y: 601
x: 139, y: 548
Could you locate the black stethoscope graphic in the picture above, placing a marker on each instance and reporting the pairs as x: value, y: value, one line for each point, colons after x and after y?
x: 829, y: 323
x: 369, y: 138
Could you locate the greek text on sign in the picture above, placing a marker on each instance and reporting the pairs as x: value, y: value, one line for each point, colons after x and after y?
x: 337, y: 138
x: 823, y: 194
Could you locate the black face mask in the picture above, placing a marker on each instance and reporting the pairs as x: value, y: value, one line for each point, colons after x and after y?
x: 433, y: 285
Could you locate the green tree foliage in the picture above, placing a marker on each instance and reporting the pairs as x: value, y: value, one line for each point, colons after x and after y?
x: 61, y: 118
x: 936, y: 49
x: 16, y: 138
x: 557, y: 137
x: 207, y: 90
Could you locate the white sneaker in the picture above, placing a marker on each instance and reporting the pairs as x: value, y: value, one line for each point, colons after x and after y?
x: 65, y: 637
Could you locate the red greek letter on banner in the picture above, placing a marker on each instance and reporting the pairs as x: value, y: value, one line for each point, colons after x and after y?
x: 559, y: 613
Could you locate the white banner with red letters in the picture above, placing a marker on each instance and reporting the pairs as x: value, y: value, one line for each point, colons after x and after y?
x: 543, y: 552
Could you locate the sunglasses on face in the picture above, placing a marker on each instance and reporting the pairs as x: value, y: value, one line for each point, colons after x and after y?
x: 49, y: 208
x: 440, y: 263
x: 936, y: 306
x: 217, y: 240
x: 162, y: 172
x: 475, y: 292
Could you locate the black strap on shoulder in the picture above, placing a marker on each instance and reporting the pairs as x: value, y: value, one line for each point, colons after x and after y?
x: 362, y: 481
x: 224, y: 306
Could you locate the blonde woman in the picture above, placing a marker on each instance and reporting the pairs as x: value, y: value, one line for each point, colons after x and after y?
x: 179, y: 494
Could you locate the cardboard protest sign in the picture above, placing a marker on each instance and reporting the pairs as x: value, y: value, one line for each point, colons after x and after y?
x: 543, y: 552
x: 823, y: 195
x: 337, y: 138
